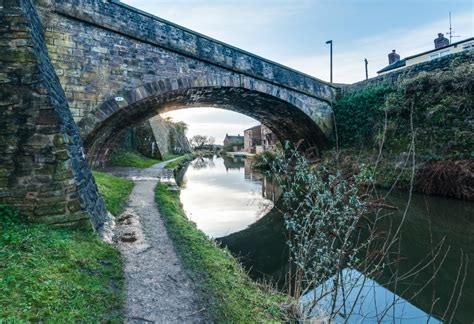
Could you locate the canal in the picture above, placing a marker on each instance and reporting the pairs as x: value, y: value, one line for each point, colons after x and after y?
x: 434, y: 261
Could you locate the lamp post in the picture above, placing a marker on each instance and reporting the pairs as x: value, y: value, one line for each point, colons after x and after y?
x: 366, y: 69
x: 330, y: 57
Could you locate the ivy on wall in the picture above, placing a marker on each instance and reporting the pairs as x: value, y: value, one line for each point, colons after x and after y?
x: 443, y: 114
x: 359, y: 114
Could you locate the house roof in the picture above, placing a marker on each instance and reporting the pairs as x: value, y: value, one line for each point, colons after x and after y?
x: 235, y: 138
x: 252, y: 128
x: 438, y: 49
x: 402, y: 62
x: 392, y: 66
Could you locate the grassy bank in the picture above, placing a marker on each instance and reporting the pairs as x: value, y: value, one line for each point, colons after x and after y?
x: 57, y: 274
x: 182, y: 159
x: 114, y: 190
x: 234, y: 297
x: 132, y: 159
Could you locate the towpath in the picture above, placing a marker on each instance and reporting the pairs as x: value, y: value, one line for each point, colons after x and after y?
x: 157, y: 285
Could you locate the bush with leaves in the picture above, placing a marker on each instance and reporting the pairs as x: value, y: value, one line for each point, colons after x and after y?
x: 321, y: 213
x: 261, y: 162
x: 443, y: 114
x: 359, y: 115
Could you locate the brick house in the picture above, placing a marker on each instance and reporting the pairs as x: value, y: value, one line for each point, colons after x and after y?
x: 258, y: 139
x: 252, y: 138
x: 236, y: 141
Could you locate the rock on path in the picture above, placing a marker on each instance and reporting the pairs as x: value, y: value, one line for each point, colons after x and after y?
x: 157, y: 286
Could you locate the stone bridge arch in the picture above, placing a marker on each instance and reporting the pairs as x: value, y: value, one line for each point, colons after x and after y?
x: 64, y: 63
x: 289, y: 116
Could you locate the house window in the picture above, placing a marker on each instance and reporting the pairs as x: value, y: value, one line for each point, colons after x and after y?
x: 468, y: 47
x: 434, y: 56
x: 444, y: 53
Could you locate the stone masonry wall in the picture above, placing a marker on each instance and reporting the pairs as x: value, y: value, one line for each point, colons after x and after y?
x: 61, y: 60
x: 168, y: 139
x: 101, y: 49
x: 155, y: 138
x: 397, y: 76
x: 43, y: 171
x: 141, y: 139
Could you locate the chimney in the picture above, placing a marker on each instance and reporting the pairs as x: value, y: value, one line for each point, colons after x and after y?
x: 393, y: 57
x: 441, y: 41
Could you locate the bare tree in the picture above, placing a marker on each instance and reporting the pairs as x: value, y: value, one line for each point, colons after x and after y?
x: 198, y: 141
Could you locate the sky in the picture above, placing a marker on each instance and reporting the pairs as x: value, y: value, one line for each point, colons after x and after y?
x: 294, y: 32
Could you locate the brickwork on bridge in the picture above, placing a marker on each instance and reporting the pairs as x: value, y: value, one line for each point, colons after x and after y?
x: 104, y: 49
x: 43, y: 171
x: 279, y: 110
x: 100, y: 48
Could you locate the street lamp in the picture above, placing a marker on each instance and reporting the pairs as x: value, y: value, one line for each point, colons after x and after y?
x: 366, y: 69
x: 330, y: 56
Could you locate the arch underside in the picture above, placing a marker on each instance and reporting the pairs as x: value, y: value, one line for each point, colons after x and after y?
x: 284, y: 119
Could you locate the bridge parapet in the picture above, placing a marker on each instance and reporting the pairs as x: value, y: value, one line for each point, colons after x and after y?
x: 120, y: 18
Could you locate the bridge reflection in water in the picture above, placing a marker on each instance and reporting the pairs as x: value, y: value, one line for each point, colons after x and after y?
x: 430, y: 220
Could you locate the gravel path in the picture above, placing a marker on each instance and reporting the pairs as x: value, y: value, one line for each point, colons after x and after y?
x: 158, y: 288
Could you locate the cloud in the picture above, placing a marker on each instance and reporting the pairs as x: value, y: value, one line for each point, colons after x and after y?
x: 228, y: 21
x: 212, y: 122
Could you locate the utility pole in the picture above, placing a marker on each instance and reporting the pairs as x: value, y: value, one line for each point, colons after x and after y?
x: 330, y: 57
x: 366, y: 69
x: 451, y: 31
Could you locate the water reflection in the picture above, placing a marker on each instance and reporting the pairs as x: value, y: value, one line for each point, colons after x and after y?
x: 431, y: 289
x: 362, y: 300
x: 219, y: 198
x: 224, y: 196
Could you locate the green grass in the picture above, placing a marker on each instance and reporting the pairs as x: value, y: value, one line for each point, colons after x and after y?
x: 171, y: 156
x: 57, y: 275
x: 234, y: 297
x: 132, y: 159
x: 136, y: 160
x: 176, y: 163
x: 114, y: 190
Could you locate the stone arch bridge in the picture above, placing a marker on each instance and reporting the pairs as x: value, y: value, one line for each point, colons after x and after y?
x: 75, y: 74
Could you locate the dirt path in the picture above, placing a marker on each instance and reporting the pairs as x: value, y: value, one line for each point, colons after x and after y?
x: 157, y: 286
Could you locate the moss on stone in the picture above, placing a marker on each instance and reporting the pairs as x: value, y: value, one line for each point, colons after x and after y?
x: 17, y: 55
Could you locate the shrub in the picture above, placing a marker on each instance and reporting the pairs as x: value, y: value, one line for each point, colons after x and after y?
x: 359, y: 114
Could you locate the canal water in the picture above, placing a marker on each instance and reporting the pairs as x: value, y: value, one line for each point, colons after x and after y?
x: 222, y: 196
x: 232, y: 204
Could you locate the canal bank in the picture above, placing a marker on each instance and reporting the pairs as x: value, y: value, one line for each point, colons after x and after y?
x: 232, y: 295
x: 173, y: 271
